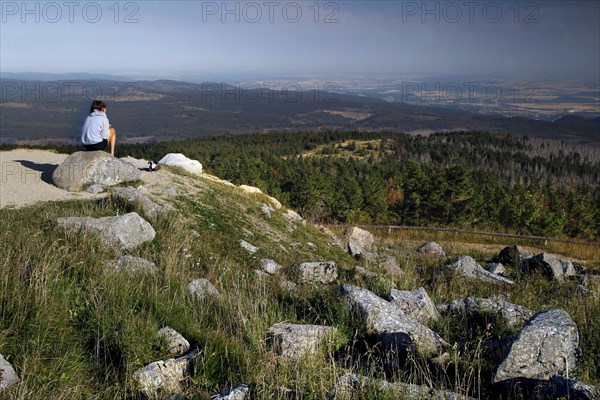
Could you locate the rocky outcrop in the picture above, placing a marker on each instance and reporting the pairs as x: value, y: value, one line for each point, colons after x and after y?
x: 137, y: 198
x: 469, y: 268
x: 181, y: 161
x: 131, y: 265
x: 315, y: 272
x: 359, y: 241
x: 240, y: 392
x: 415, y: 304
x: 85, y: 168
x: 548, y: 344
x: 8, y: 376
x: 547, y: 264
x: 201, y: 288
x: 514, y: 316
x: 177, y: 345
x: 397, y: 332
x: 292, y: 342
x: 432, y: 249
x: 170, y: 375
x: 126, y: 231
x: 352, y: 386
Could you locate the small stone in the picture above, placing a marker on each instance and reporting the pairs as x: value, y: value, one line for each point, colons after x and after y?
x: 170, y: 375
x: 181, y: 161
x: 240, y: 392
x: 200, y: 288
x: 496, y: 268
x: 270, y: 266
x: 177, y: 345
x: 247, y: 246
x: 469, y: 268
x: 432, y: 248
x: 95, y: 189
x: 8, y: 376
x: 130, y: 264
x: 315, y: 272
x: 266, y: 210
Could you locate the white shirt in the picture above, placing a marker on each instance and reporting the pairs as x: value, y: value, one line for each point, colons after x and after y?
x: 95, y: 128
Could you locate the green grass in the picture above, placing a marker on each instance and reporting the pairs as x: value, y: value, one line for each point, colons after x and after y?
x: 71, y: 331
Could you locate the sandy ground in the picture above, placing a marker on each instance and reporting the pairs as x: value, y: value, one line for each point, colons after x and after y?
x: 26, y: 178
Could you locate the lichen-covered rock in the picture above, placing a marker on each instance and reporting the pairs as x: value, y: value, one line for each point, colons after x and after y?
x: 130, y: 264
x: 353, y: 387
x: 469, y: 268
x: 177, y: 345
x: 294, y: 341
x: 201, y: 288
x: 126, y: 231
x: 170, y: 375
x: 396, y: 331
x: 85, y: 168
x: 181, y: 161
x: 270, y: 266
x: 432, y: 248
x: 315, y: 272
x: 359, y: 241
x: 141, y: 201
x: 548, y: 264
x: 240, y: 392
x: 416, y: 304
x: 8, y: 376
x: 514, y: 316
x: 548, y: 344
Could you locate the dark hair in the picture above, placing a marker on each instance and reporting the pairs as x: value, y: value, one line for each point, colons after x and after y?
x: 97, y: 105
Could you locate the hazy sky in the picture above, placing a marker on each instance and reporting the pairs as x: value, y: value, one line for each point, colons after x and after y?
x: 177, y: 39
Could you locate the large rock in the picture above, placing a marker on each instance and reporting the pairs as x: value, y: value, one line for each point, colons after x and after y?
x: 240, y: 392
x: 547, y: 264
x: 85, y: 168
x: 352, y: 386
x: 292, y: 342
x: 131, y: 265
x: 170, y: 375
x: 469, y: 268
x: 396, y: 331
x: 514, y: 316
x: 201, y: 288
x: 359, y: 241
x: 8, y: 376
x: 177, y: 345
x: 138, y: 199
x: 512, y: 256
x: 181, y: 161
x: 432, y: 248
x: 416, y: 304
x: 126, y: 231
x: 549, y: 343
x: 315, y: 272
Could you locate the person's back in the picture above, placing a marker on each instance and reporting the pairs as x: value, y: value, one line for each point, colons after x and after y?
x: 97, y: 133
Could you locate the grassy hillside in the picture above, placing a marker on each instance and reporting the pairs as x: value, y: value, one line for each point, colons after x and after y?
x: 71, y: 331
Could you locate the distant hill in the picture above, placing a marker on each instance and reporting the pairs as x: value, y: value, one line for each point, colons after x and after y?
x: 43, y: 111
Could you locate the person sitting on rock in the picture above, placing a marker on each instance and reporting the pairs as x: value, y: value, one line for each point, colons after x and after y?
x: 97, y: 132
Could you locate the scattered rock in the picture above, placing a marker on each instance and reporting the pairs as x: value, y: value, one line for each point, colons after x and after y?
x: 415, y: 304
x: 549, y: 343
x: 496, y: 269
x: 432, y: 248
x: 397, y: 332
x: 200, y: 288
x: 170, y: 375
x: 240, y: 392
x: 177, y: 345
x: 266, y: 210
x: 181, y: 161
x: 292, y: 216
x: 568, y: 268
x: 390, y: 265
x: 468, y: 267
x: 85, y: 168
x: 131, y: 264
x: 548, y: 264
x: 8, y: 376
x: 248, y: 246
x: 352, y: 386
x: 95, y: 189
x: 126, y: 231
x: 137, y: 198
x: 514, y: 315
x: 359, y: 241
x: 270, y: 266
x: 294, y: 341
x: 315, y: 272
